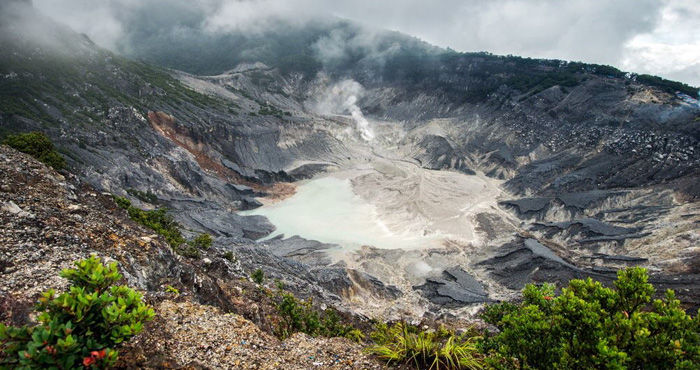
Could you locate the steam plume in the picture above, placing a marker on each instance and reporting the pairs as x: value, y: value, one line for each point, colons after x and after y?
x: 342, y: 98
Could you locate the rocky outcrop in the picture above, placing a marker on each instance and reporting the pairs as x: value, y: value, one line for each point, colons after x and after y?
x: 455, y: 287
x: 185, y: 335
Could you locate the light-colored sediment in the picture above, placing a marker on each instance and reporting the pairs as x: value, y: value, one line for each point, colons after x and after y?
x: 396, y: 221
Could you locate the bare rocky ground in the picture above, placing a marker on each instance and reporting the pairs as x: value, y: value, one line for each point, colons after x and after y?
x: 199, y: 336
x: 219, y: 319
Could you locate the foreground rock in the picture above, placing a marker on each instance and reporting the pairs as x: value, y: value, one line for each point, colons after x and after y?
x: 197, y: 336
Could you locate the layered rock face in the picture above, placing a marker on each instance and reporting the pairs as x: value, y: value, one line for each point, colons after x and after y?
x: 596, y: 171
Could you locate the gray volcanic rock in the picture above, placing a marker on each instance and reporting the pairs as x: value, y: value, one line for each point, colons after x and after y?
x: 584, y: 199
x: 606, y: 257
x: 455, y: 288
x: 310, y: 252
x: 438, y: 154
x: 221, y: 222
x: 527, y: 260
x: 525, y: 205
x: 590, y: 225
x: 596, y: 239
x: 307, y: 171
x: 374, y: 285
x: 540, y: 250
x: 336, y: 278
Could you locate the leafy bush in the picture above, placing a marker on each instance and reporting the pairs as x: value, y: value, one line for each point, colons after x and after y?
x: 401, y: 343
x: 173, y: 290
x: 164, y: 225
x: 202, y: 241
x: 300, y: 316
x: 258, y: 276
x: 229, y: 256
x: 80, y: 326
x: 592, y: 326
x: 39, y: 146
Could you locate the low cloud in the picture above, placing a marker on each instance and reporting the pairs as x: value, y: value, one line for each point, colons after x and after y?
x: 634, y: 35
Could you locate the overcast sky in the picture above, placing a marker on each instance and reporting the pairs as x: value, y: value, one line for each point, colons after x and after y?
x: 660, y: 37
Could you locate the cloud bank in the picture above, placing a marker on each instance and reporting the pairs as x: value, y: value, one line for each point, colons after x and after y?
x: 644, y: 36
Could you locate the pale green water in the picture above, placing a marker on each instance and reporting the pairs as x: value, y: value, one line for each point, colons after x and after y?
x: 327, y: 210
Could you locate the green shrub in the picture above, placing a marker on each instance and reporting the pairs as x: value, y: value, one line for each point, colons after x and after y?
x: 592, y: 326
x: 164, y: 225
x: 258, y: 276
x: 161, y: 222
x: 229, y: 256
x: 80, y: 326
x: 172, y: 289
x: 188, y: 251
x: 202, y: 241
x: 401, y: 343
x: 355, y: 335
x: 39, y: 146
x: 300, y: 316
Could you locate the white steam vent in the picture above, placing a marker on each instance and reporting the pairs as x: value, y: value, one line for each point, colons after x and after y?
x: 341, y: 98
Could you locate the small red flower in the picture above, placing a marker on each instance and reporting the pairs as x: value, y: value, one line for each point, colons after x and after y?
x: 101, y: 354
x: 51, y: 350
x: 548, y: 298
x: 87, y: 361
x: 94, y: 354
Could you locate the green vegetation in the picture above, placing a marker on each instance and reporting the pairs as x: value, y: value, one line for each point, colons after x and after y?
x: 258, y: 276
x: 300, y: 316
x: 587, y: 326
x: 172, y: 289
x: 79, y: 327
x: 402, y: 343
x: 202, y: 241
x: 270, y: 110
x: 39, y: 146
x: 158, y: 220
x: 228, y: 255
x: 164, y: 225
x: 592, y: 326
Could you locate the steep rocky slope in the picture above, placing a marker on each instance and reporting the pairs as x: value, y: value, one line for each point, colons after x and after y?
x: 50, y: 220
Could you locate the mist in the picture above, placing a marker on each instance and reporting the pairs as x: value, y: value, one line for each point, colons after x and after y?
x: 644, y: 36
x: 21, y: 27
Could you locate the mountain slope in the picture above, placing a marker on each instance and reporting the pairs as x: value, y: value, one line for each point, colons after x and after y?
x: 599, y: 168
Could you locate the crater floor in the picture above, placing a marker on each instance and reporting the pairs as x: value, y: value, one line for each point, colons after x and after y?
x: 387, y: 216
